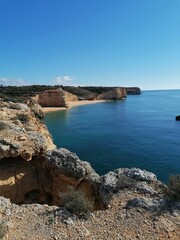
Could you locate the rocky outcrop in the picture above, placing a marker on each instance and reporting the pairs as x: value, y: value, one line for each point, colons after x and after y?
x: 55, y: 98
x: 115, y: 94
x: 23, y: 137
x: 22, y: 133
x: 32, y: 170
x: 64, y: 169
x: 133, y: 90
x: 178, y: 118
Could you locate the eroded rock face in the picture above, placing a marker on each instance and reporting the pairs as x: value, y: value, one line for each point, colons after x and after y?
x: 55, y: 98
x: 139, y: 180
x: 22, y: 134
x: 23, y: 137
x: 115, y: 94
x: 133, y: 90
x: 18, y: 178
x: 32, y: 170
x: 63, y: 168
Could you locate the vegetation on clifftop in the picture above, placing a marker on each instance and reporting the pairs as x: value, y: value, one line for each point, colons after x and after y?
x: 19, y: 93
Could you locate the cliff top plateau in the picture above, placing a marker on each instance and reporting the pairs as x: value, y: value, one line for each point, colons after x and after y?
x: 49, y: 193
x: 22, y: 93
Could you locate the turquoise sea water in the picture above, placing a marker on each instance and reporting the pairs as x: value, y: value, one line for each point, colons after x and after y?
x: 140, y: 131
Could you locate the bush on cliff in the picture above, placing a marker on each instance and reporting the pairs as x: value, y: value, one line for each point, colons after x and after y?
x: 3, y: 126
x: 125, y: 182
x: 76, y: 202
x: 23, y: 117
x: 174, y: 187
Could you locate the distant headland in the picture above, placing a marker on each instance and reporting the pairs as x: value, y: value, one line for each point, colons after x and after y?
x: 61, y: 96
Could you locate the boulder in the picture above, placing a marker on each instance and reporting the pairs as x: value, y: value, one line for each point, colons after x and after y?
x: 178, y: 118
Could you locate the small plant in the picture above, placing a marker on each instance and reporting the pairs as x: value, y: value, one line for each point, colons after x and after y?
x: 23, y: 117
x: 173, y: 191
x: 125, y: 182
x: 3, y: 126
x: 76, y: 202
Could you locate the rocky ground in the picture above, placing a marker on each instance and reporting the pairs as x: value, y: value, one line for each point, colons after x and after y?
x: 130, y: 215
x: 133, y: 203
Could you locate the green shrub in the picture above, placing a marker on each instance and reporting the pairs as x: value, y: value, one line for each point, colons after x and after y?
x: 3, y: 126
x: 76, y: 202
x: 174, y: 187
x: 23, y: 117
x: 125, y: 182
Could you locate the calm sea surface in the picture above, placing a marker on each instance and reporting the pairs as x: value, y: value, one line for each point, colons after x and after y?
x: 140, y: 131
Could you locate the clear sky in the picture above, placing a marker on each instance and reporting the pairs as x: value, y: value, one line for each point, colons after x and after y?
x: 90, y: 42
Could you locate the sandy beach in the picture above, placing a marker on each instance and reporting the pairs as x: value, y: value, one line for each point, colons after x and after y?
x: 70, y: 105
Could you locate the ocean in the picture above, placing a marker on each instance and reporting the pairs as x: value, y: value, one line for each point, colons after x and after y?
x: 139, y: 131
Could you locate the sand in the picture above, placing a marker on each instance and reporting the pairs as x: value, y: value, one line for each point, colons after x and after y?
x: 70, y: 105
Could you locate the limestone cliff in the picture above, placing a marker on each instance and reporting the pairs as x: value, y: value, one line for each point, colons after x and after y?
x: 23, y: 137
x: 115, y: 94
x: 33, y: 170
x: 22, y: 132
x: 55, y: 98
x: 133, y: 90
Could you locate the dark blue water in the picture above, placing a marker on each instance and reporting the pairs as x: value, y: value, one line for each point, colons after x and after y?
x: 140, y: 131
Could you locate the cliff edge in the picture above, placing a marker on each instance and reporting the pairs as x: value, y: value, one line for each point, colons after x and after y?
x: 35, y: 175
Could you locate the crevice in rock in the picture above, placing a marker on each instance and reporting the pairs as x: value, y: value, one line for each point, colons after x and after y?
x: 18, y: 178
x: 36, y: 196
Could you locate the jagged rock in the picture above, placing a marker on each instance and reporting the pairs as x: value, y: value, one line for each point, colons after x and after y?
x: 146, y: 203
x: 36, y: 109
x: 47, y: 171
x: 22, y: 134
x: 131, y: 178
x: 23, y: 137
x: 64, y: 169
x: 115, y: 94
x: 110, y: 180
x: 50, y: 171
x: 178, y: 118
x: 67, y: 163
x: 158, y: 204
x: 138, y: 174
x: 144, y: 188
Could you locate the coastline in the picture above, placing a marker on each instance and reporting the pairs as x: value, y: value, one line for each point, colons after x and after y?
x: 70, y: 105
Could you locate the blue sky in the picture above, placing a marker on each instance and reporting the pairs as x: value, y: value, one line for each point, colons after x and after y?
x: 90, y: 42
